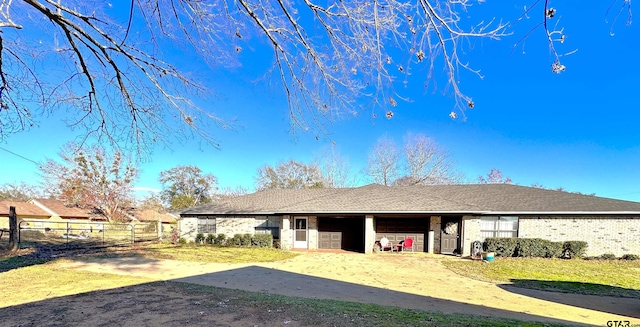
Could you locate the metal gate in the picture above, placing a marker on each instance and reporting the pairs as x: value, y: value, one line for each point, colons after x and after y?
x: 83, y: 234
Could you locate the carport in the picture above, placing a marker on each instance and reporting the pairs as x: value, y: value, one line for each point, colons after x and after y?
x: 397, y: 229
x: 341, y: 233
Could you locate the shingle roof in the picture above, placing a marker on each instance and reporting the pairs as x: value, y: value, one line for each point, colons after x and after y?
x: 471, y: 199
x: 59, y: 209
x: 152, y: 216
x: 22, y: 209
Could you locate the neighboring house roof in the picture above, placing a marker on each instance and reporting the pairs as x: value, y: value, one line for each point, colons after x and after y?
x: 23, y: 209
x: 480, y: 199
x: 58, y: 208
x: 152, y: 216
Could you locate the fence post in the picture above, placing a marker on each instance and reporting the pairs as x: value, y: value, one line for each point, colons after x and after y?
x: 159, y: 228
x: 13, y: 228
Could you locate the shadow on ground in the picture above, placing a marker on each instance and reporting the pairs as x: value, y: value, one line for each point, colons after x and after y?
x: 43, y: 253
x: 557, y: 291
x: 576, y: 287
x: 185, y: 303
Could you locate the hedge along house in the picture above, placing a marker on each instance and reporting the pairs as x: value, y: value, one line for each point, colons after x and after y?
x: 441, y: 219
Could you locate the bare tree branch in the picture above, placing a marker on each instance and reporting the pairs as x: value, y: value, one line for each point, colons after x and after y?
x: 109, y: 67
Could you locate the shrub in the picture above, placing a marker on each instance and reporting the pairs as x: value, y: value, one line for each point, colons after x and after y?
x: 245, y: 240
x: 531, y: 247
x: 503, y: 247
x: 262, y: 240
x: 236, y: 240
x: 574, y: 249
x: 608, y: 256
x: 276, y: 244
x: 220, y: 239
x: 175, y: 235
x: 523, y: 247
x: 210, y: 238
x: 199, y: 238
x: 630, y: 257
x: 182, y: 240
x: 539, y: 248
x: 553, y: 249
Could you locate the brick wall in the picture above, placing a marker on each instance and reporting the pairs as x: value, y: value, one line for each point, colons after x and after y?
x: 188, y: 228
x: 617, y: 235
x: 231, y: 226
x: 227, y: 225
x: 470, y: 233
x: 286, y: 232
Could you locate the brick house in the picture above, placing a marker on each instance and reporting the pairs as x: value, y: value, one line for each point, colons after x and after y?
x: 440, y: 219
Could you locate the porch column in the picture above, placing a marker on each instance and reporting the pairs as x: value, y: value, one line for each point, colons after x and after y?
x: 435, y: 227
x: 369, y: 234
x: 286, y: 234
x: 312, y: 229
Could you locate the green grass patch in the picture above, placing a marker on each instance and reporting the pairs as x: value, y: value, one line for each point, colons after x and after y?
x: 596, y: 277
x: 38, y: 282
x: 48, y: 281
x: 188, y: 252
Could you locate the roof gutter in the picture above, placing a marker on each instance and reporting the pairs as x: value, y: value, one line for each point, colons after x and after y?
x: 563, y: 213
x: 478, y: 213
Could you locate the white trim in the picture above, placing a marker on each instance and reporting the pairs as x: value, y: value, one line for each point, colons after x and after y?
x: 437, y: 213
x: 43, y: 207
x: 301, y: 244
x: 546, y: 213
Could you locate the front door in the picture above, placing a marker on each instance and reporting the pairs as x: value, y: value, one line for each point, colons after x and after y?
x: 301, y: 233
x: 449, y: 235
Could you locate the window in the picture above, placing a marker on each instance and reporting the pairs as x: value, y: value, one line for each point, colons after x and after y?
x: 207, y: 225
x: 268, y: 225
x: 498, y: 227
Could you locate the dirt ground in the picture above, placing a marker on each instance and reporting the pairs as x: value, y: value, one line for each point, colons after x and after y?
x: 401, y: 280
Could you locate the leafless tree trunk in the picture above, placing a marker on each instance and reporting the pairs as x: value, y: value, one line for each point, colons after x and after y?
x: 336, y: 170
x: 384, y: 161
x: 426, y: 162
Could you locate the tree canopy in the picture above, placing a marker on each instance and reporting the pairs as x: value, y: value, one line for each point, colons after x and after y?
x: 289, y: 174
x: 20, y: 192
x: 424, y: 162
x: 335, y: 168
x: 92, y: 178
x: 186, y: 186
x: 494, y: 177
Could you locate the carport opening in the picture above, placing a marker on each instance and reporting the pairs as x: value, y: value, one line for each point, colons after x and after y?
x: 341, y: 233
x: 396, y: 229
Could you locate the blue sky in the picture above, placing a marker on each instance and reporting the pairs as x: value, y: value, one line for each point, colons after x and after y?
x: 576, y: 130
